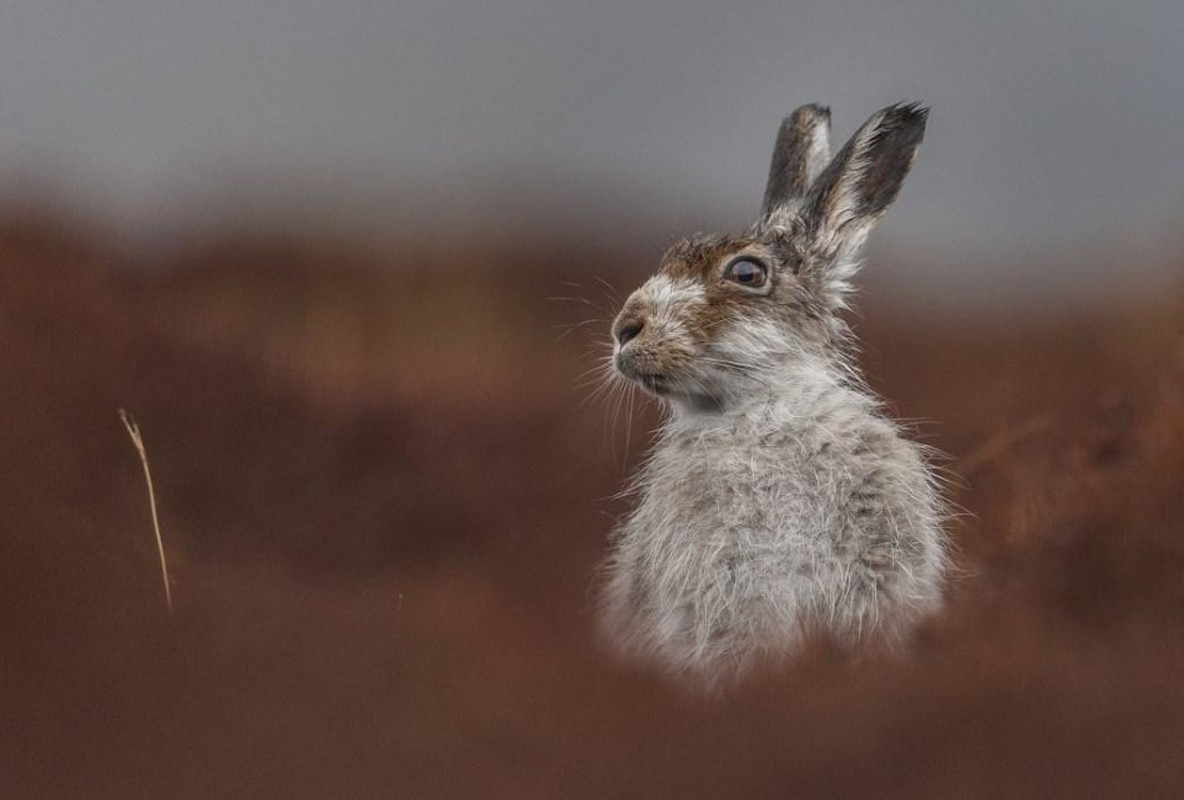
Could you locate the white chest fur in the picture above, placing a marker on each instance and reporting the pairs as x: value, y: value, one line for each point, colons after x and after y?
x: 809, y: 511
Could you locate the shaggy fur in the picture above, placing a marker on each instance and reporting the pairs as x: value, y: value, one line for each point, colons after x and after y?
x: 778, y: 498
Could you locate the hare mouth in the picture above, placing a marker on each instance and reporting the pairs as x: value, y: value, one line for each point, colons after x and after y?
x: 666, y: 384
x: 628, y: 365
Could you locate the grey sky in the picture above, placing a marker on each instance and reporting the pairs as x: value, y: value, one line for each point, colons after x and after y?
x: 1053, y: 124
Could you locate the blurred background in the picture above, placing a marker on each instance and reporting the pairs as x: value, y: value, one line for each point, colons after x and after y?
x: 352, y: 267
x: 1054, y: 135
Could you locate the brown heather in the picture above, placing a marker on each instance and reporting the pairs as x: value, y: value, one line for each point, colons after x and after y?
x: 383, y: 500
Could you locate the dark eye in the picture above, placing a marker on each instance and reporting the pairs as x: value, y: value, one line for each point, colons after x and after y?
x: 747, y: 273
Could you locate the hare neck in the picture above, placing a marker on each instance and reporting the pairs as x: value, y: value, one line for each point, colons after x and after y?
x: 795, y: 395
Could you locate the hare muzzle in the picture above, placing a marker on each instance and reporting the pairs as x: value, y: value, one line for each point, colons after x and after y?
x: 653, y: 334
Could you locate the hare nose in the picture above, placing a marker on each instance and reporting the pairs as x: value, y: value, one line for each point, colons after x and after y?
x: 628, y: 330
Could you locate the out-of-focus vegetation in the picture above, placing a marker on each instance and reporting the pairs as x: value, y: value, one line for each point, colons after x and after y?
x: 384, y: 498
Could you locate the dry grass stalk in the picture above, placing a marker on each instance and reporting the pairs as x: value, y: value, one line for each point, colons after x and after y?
x: 133, y: 430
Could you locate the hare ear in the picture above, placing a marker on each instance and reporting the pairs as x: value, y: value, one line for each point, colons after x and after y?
x: 851, y: 194
x: 799, y: 156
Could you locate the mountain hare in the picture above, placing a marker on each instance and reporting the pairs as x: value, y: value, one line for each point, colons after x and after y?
x: 778, y: 498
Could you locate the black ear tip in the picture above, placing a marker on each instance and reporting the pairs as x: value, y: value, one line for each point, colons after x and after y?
x: 900, y: 125
x: 907, y: 115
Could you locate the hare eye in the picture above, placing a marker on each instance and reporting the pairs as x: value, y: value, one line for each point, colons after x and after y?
x: 746, y: 273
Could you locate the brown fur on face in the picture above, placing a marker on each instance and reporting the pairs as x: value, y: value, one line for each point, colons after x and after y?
x: 690, y: 333
x: 790, y: 300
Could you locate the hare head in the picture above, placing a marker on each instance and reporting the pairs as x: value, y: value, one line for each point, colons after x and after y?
x: 726, y: 315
